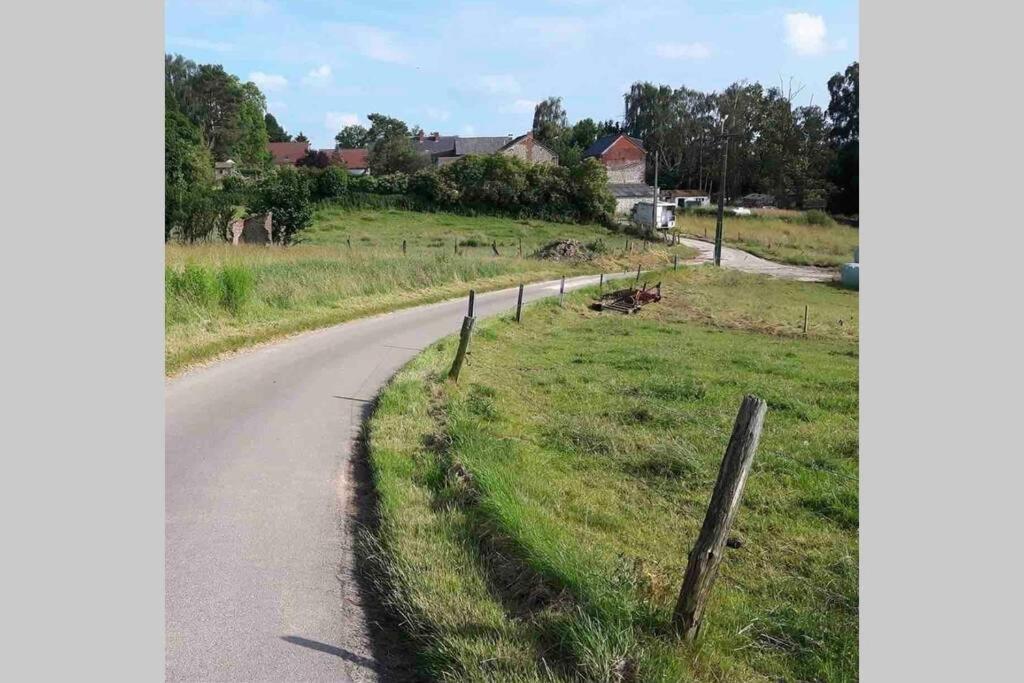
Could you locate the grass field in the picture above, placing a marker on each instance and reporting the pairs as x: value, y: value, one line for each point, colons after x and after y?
x: 783, y: 236
x: 220, y: 298
x: 535, y: 518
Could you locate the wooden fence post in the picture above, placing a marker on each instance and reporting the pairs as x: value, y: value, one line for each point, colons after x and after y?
x: 805, y: 318
x: 600, y: 283
x: 675, y: 261
x: 519, y: 304
x: 472, y: 299
x: 702, y: 565
x: 403, y: 246
x: 637, y: 274
x: 520, y: 247
x: 460, y: 355
x: 348, y: 240
x: 561, y: 291
x: 494, y: 247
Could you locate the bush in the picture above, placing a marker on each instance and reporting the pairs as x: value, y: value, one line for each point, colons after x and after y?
x: 331, y: 183
x: 198, y: 213
x: 288, y: 195
x: 817, y: 217
x: 236, y: 287
x: 194, y: 285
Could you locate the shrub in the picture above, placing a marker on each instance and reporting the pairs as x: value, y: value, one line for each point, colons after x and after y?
x: 287, y: 194
x: 236, y: 287
x: 200, y: 213
x: 331, y: 183
x: 194, y: 284
x: 818, y: 217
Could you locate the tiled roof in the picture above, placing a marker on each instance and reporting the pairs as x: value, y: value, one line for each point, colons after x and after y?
x: 601, y: 145
x: 480, y: 145
x: 287, y: 152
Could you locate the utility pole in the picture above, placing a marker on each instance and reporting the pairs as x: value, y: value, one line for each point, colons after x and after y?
x: 721, y: 196
x: 654, y: 205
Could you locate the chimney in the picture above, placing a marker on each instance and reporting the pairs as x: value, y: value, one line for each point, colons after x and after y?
x: 434, y: 136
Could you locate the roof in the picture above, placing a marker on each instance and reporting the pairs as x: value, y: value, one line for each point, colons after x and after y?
x: 481, y: 145
x: 224, y: 164
x: 536, y: 142
x: 352, y: 157
x: 444, y: 144
x: 687, y: 193
x: 601, y: 145
x: 628, y: 190
x: 287, y: 152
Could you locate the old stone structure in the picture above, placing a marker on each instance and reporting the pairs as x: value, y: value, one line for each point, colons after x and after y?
x: 253, y: 230
x: 446, y: 149
x: 625, y: 160
x: 525, y: 147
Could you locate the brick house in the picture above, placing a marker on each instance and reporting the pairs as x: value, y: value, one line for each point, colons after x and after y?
x: 289, y: 153
x: 354, y: 158
x: 625, y: 160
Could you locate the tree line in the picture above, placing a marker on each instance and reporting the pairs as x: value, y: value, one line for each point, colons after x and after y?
x: 799, y: 154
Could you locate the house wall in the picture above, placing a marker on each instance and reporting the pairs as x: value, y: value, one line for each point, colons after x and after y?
x: 625, y: 162
x: 624, y: 205
x: 527, y: 150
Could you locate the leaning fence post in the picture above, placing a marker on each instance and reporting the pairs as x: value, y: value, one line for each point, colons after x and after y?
x: 460, y: 355
x: 702, y: 565
x: 494, y: 247
x: 600, y: 283
x: 519, y: 304
x: 637, y: 274
x: 561, y: 291
x: 805, y: 319
x: 472, y: 299
x: 675, y: 261
x: 403, y: 246
x: 348, y: 240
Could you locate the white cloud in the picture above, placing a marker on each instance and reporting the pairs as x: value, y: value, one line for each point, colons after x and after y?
x: 695, y: 51
x: 268, y: 82
x: 521, y: 106
x: 200, y: 44
x: 318, y: 77
x: 805, y: 33
x: 499, y: 84
x: 370, y: 42
x: 336, y: 120
x: 437, y: 114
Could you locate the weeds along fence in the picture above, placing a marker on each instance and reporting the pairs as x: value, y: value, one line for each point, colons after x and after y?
x: 708, y: 550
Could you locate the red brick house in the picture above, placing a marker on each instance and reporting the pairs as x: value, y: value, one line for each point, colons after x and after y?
x: 623, y: 156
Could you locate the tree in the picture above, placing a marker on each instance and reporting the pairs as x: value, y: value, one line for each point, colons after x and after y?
x: 275, y: 133
x: 331, y: 182
x: 844, y: 114
x: 395, y: 154
x: 301, y: 138
x: 317, y: 158
x: 251, y: 148
x: 352, y: 137
x: 383, y: 127
x: 286, y: 193
x: 187, y: 166
x: 549, y: 120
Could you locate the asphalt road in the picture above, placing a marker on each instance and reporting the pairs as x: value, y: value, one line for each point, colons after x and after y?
x: 737, y: 259
x: 262, y: 495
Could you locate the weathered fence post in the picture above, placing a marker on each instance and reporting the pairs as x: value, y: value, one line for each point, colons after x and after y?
x: 637, y: 274
x: 702, y: 565
x: 460, y: 355
x: 519, y: 304
x: 472, y: 299
x: 805, y: 318
x: 520, y: 247
x: 675, y: 261
x: 561, y: 291
x: 600, y: 283
x: 494, y: 247
x: 348, y: 241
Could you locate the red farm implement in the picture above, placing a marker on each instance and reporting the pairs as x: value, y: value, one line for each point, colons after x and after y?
x: 628, y: 300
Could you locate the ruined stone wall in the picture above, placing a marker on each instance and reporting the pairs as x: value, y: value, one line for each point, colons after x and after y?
x: 253, y: 230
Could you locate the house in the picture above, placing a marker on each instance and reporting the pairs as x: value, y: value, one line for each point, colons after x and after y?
x: 287, y: 153
x: 687, y: 199
x: 354, y: 158
x: 224, y: 169
x: 627, y: 195
x: 623, y: 156
x: 446, y: 149
x: 625, y: 160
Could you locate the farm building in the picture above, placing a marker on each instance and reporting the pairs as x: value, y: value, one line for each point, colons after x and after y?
x: 627, y: 195
x: 445, y: 149
x: 687, y: 198
x: 623, y: 156
x: 287, y: 153
x: 757, y: 200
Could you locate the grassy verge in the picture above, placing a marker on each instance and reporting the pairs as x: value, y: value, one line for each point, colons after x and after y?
x: 535, y: 519
x: 783, y: 236
x: 221, y: 298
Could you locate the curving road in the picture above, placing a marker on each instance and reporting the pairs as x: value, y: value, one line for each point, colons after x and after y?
x: 263, y: 496
x: 737, y: 259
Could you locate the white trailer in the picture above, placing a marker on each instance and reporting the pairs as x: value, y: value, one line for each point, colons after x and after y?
x: 664, y: 220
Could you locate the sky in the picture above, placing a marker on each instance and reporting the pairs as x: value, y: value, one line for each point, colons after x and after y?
x: 478, y: 68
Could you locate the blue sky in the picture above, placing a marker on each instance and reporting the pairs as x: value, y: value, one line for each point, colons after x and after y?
x: 477, y: 68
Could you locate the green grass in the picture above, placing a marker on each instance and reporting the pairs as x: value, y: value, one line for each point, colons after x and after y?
x: 220, y: 298
x: 535, y: 518
x: 799, y: 238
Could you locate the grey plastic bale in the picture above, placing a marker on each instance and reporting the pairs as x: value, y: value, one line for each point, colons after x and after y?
x: 850, y: 276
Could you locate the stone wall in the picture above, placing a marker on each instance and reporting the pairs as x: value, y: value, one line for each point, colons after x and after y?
x: 253, y: 230
x: 623, y: 173
x: 529, y: 150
